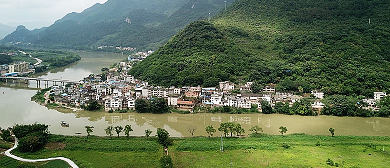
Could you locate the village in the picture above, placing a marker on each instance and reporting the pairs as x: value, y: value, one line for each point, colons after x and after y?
x: 116, y: 90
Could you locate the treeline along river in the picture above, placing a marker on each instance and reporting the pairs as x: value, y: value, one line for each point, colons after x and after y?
x: 16, y: 107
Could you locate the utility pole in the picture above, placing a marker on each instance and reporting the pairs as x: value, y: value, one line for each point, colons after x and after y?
x: 221, y: 144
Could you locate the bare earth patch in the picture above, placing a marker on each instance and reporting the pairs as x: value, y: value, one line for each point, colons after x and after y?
x: 55, y: 145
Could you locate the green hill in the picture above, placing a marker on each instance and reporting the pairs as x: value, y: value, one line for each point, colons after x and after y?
x: 338, y: 46
x: 134, y: 23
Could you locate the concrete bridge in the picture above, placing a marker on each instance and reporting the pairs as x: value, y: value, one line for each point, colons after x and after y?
x: 38, y: 80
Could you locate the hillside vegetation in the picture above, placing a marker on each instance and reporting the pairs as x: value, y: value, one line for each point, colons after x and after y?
x: 338, y: 46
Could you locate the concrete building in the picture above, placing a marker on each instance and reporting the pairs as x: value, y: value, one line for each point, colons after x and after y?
x: 379, y: 95
x: 18, y: 67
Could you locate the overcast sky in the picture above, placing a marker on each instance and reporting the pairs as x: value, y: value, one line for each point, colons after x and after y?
x: 39, y: 13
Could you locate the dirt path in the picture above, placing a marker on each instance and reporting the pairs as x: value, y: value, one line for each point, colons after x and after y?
x: 8, y: 153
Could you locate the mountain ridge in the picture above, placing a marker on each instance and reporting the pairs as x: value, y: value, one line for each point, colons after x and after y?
x: 105, y: 24
x: 335, y: 46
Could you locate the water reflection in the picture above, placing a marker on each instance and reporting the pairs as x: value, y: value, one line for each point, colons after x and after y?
x: 179, y: 123
x: 16, y: 107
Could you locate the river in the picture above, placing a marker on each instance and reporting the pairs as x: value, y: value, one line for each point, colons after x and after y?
x: 17, y: 108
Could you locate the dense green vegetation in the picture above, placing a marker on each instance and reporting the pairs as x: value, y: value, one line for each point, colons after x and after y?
x: 154, y: 105
x: 339, y: 47
x: 50, y: 58
x: 55, y: 59
x: 151, y: 23
x: 31, y: 137
x: 259, y: 150
x: 12, y: 163
x: 40, y: 95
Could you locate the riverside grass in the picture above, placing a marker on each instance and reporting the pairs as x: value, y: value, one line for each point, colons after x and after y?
x: 260, y: 150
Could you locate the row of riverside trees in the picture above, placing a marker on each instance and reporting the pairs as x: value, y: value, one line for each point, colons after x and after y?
x: 235, y: 128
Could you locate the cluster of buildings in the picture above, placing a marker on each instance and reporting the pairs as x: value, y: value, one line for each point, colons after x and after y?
x: 139, y: 56
x: 372, y: 103
x: 118, y: 48
x: 119, y: 91
x: 17, y: 68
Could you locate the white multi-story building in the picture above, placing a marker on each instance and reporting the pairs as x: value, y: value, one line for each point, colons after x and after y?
x: 216, y: 99
x: 226, y: 86
x: 379, y: 95
x: 317, y: 94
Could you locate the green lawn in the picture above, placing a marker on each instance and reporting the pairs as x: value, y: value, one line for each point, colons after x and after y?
x: 8, y: 162
x: 296, y: 150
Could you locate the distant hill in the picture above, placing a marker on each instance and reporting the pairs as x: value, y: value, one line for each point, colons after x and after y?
x: 5, y: 30
x: 340, y: 47
x: 134, y: 23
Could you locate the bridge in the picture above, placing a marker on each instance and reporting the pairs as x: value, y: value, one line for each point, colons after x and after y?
x: 38, y: 80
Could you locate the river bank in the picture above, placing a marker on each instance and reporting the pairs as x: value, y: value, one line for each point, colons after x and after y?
x: 296, y: 150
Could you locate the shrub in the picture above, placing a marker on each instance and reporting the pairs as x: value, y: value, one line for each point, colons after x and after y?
x: 6, y: 135
x: 166, y: 162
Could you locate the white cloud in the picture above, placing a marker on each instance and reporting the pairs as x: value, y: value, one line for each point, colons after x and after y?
x: 24, y: 12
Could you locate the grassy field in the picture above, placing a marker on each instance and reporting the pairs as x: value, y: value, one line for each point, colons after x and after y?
x: 296, y: 150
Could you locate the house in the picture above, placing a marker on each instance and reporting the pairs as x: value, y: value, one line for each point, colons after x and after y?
x: 142, y: 92
x: 172, y: 101
x: 371, y: 104
x: 317, y: 94
x: 269, y: 88
x: 157, y: 92
x: 317, y: 106
x: 226, y: 86
x: 193, y: 92
x: 379, y: 95
x: 113, y: 104
x: 18, y: 67
x: 246, y: 87
x: 185, y: 105
x: 216, y: 99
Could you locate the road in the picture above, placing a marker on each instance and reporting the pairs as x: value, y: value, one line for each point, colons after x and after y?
x: 39, y: 61
x: 8, y: 153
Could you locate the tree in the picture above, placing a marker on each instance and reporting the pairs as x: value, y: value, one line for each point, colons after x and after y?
x: 282, y: 108
x: 89, y: 130
x: 166, y: 161
x: 93, y: 106
x: 141, y: 106
x: 210, y: 130
x: 31, y: 137
x: 282, y: 129
x: 256, y: 87
x: 223, y: 128
x: 256, y: 128
x: 158, y: 105
x: 109, y: 130
x: 191, y: 129
x: 31, y: 143
x: 331, y: 130
x: 118, y: 130
x: 127, y: 130
x: 266, y: 107
x: 6, y: 135
x: 163, y: 137
x: 147, y: 133
x: 238, y: 129
x: 24, y: 130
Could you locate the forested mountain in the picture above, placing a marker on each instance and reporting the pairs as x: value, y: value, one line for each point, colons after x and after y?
x: 339, y: 46
x: 133, y: 23
x: 5, y: 30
